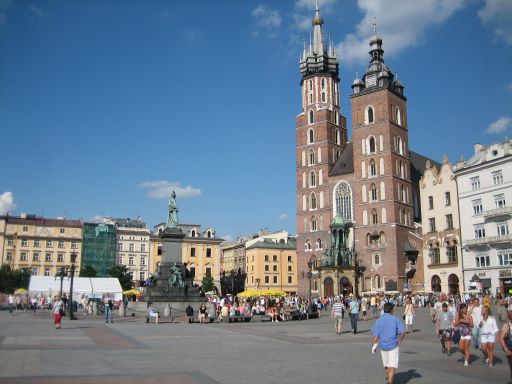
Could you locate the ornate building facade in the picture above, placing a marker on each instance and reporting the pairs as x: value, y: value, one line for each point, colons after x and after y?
x: 357, y: 201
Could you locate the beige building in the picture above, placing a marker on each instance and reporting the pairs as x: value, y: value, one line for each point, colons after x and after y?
x: 233, y: 255
x: 132, y: 247
x: 200, y: 250
x: 441, y: 229
x: 41, y: 244
x: 272, y: 262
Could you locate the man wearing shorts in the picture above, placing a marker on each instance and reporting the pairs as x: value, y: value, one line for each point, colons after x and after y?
x: 389, y: 332
x: 444, y: 321
x: 337, y: 315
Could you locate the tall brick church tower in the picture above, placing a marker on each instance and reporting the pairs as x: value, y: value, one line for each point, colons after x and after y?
x: 321, y: 135
x: 383, y: 197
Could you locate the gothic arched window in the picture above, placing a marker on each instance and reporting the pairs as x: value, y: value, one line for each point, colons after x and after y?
x: 343, y: 203
x: 311, y: 115
x: 373, y: 168
x: 370, y: 115
x: 375, y: 219
x: 373, y: 192
x: 313, y: 201
x: 371, y: 145
x: 311, y: 136
x: 312, y: 179
x: 311, y: 156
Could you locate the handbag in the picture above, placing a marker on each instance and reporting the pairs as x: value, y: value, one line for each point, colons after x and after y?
x: 403, y: 317
x: 61, y: 311
x: 456, y: 336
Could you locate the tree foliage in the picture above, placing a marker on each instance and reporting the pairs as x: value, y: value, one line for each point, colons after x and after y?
x: 87, y: 271
x: 10, y: 279
x: 207, y: 283
x: 121, y: 272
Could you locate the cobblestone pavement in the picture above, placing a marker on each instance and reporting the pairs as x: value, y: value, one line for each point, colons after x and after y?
x: 130, y: 351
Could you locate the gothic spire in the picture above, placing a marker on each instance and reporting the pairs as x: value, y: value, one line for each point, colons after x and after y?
x: 318, y: 33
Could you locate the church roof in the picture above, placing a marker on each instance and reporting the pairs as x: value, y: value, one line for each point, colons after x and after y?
x: 345, y: 163
x: 418, y: 165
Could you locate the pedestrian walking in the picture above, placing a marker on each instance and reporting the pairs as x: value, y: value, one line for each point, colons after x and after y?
x: 488, y: 330
x: 505, y: 339
x: 108, y: 305
x: 364, y: 307
x: 389, y: 332
x: 10, y: 300
x: 58, y: 312
x: 354, y: 313
x: 337, y: 315
x: 444, y: 321
x: 464, y: 322
x: 409, y: 315
x: 475, y: 310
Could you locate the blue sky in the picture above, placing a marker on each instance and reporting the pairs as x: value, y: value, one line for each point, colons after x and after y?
x: 105, y: 105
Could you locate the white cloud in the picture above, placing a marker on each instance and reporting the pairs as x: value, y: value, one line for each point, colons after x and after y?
x: 7, y: 203
x: 267, y: 20
x: 38, y: 12
x: 401, y: 24
x: 4, y: 5
x: 499, y: 126
x: 497, y: 15
x: 163, y: 188
x: 227, y: 238
x: 283, y: 216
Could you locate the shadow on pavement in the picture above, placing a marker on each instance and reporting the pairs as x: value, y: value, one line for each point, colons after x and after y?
x: 405, y: 377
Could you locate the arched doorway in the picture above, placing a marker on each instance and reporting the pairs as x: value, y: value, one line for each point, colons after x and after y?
x: 436, y: 283
x: 345, y: 286
x: 328, y: 287
x: 453, y: 284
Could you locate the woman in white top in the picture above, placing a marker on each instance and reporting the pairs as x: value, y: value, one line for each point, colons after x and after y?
x: 409, y: 315
x: 488, y: 330
x: 57, y: 311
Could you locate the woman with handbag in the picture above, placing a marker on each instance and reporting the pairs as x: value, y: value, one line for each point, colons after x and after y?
x: 58, y: 311
x: 464, y: 322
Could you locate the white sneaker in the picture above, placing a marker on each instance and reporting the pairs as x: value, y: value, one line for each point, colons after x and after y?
x: 466, y: 364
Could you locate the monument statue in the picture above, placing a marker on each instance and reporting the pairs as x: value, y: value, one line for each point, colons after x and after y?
x: 172, y: 217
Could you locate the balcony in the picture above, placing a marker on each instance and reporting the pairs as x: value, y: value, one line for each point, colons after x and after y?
x: 489, y: 240
x: 498, y: 212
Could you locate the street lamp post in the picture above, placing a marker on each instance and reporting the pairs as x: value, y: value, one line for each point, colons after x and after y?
x: 310, y: 276
x: 61, y: 274
x: 72, y: 273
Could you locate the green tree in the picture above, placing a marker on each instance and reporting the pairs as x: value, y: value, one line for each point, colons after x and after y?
x: 121, y: 272
x: 10, y: 279
x: 87, y: 271
x: 207, y: 283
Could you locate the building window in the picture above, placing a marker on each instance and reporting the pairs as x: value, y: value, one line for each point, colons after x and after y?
x: 375, y: 219
x: 312, y: 179
x: 499, y: 201
x: 449, y: 221
x: 290, y: 280
x: 192, y: 252
x: 479, y: 231
x: 35, y: 271
x: 502, y: 229
x: 130, y: 273
x: 477, y: 207
x: 131, y: 260
x: 267, y: 259
x: 37, y: 243
x: 432, y: 224
x: 267, y: 268
x: 193, y: 272
x: 290, y: 268
x: 120, y: 246
x: 475, y: 182
x: 9, y: 256
x: 143, y: 247
x: 60, y: 258
x: 47, y: 271
x: 25, y: 229
x: 62, y: 230
x: 497, y: 177
x: 10, y: 242
x: 274, y: 268
x: 482, y: 261
x: 48, y: 257
x: 373, y: 168
x: 267, y: 279
x: 344, y: 201
x: 132, y: 247
x: 451, y: 252
x: 193, y: 233
x: 289, y: 259
x: 142, y: 261
x: 369, y: 115
x: 274, y: 258
x: 61, y: 244
x: 24, y: 242
x: 313, y: 201
x: 120, y: 260
x: 313, y: 224
x: 373, y: 192
x: 208, y: 252
x: 430, y: 202
x: 311, y: 117
x: 376, y: 259
x: 371, y: 145
x: 447, y: 199
x: 505, y: 258
x: 73, y: 245
x: 49, y: 243
x: 275, y: 279
x: 311, y: 156
x: 142, y: 275
x: 209, y: 234
x: 35, y: 256
x: 435, y: 256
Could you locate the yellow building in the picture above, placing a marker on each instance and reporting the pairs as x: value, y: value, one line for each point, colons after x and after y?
x: 233, y: 255
x: 272, y: 262
x: 200, y: 250
x: 43, y: 245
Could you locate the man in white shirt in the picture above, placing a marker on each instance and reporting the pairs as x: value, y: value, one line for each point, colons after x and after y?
x: 475, y: 310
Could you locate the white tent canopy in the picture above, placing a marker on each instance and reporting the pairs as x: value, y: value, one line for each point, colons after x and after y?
x: 92, y: 286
